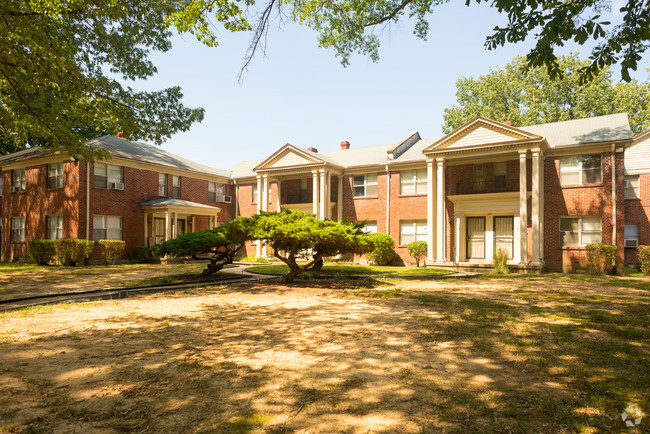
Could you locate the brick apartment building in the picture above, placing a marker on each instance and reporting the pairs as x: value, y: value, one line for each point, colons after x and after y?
x: 541, y: 192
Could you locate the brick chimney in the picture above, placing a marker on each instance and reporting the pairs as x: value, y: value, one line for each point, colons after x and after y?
x: 509, y: 123
x: 312, y: 149
x: 345, y: 145
x: 122, y: 135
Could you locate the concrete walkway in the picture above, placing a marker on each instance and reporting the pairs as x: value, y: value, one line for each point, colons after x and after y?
x: 234, y: 274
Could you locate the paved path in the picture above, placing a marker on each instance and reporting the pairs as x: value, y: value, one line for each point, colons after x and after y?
x: 233, y: 274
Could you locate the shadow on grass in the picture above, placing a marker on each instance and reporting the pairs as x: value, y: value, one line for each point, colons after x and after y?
x: 427, y: 362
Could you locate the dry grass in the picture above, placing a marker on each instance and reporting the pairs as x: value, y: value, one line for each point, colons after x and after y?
x: 496, y: 355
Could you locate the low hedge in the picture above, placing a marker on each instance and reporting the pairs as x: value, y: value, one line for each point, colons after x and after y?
x: 71, y: 251
x: 42, y: 251
x: 644, y: 259
x: 111, y: 250
x: 601, y: 258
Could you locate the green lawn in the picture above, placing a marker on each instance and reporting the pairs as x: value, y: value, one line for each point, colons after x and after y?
x: 367, y: 270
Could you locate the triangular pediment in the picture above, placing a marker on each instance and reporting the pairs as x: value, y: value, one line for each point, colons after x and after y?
x: 480, y: 132
x: 289, y: 156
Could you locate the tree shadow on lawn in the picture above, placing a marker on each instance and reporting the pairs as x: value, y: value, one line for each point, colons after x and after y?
x: 419, y: 363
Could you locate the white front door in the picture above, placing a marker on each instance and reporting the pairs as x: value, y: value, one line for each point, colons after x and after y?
x: 475, y: 237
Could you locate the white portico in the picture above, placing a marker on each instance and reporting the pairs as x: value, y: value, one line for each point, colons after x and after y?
x: 479, y: 195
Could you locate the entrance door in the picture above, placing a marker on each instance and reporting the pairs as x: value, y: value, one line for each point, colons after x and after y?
x: 475, y: 237
x: 158, y: 230
x: 503, y: 234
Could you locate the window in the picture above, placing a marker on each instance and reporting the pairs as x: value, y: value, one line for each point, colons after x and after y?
x: 580, y: 231
x: 19, y: 179
x: 215, y: 189
x: 500, y: 169
x: 107, y: 227
x: 176, y: 186
x: 413, y: 181
x: 18, y: 229
x: 55, y: 175
x: 631, y: 235
x: 54, y: 227
x: 412, y: 230
x: 364, y: 186
x: 479, y: 177
x: 632, y: 187
x: 370, y: 227
x: 162, y: 184
x: 581, y: 170
x: 0, y: 184
x: 106, y: 174
x: 254, y: 198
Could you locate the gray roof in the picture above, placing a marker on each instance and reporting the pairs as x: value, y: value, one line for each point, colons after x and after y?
x: 22, y: 154
x: 244, y: 169
x: 582, y: 131
x: 366, y: 156
x: 178, y: 202
x: 138, y: 151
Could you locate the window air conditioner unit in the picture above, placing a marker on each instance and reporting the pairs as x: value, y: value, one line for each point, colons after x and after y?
x: 15, y: 189
x: 117, y: 186
x: 631, y: 242
x: 224, y: 198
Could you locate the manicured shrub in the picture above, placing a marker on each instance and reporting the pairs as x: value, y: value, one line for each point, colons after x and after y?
x: 601, y: 258
x: 500, y: 262
x: 261, y: 260
x: 42, y: 251
x: 381, y: 248
x: 111, y: 250
x: 141, y: 254
x: 70, y: 251
x: 644, y: 259
x: 417, y: 250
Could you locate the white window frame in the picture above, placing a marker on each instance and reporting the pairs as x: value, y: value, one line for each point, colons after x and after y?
x: 632, y: 187
x: 176, y: 186
x: 110, y: 177
x: 419, y: 231
x: 162, y: 184
x: 370, y: 227
x: 411, y: 183
x: 54, y: 227
x: 367, y: 182
x: 579, y: 169
x: 581, y: 230
x: 55, y: 175
x: 102, y: 223
x: 215, y: 189
x: 628, y: 236
x: 17, y: 229
x: 19, y: 179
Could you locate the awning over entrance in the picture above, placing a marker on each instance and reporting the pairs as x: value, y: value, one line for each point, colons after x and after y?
x: 171, y: 217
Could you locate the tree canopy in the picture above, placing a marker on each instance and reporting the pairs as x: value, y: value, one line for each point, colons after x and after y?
x: 218, y: 245
x: 62, y: 68
x: 291, y: 232
x: 348, y: 26
x: 528, y: 97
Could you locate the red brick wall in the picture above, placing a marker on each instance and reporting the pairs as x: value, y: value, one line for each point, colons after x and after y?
x: 403, y: 207
x: 578, y: 201
x: 36, y: 203
x: 638, y: 211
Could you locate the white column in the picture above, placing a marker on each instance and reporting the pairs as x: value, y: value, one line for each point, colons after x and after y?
x: 323, y: 199
x: 440, y: 214
x: 328, y: 196
x: 523, y: 208
x: 146, y: 230
x: 431, y: 205
x: 339, y: 199
x: 278, y: 183
x: 265, y: 193
x: 258, y: 199
x: 193, y: 224
x: 536, y: 208
x: 457, y: 230
x: 175, y: 226
x: 167, y: 226
x: 315, y: 193
x: 258, y: 248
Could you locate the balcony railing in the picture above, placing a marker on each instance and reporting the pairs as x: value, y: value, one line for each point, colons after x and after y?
x: 487, y: 186
x: 302, y: 197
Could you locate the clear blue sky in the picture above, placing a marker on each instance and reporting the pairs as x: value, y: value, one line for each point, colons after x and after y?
x: 300, y: 94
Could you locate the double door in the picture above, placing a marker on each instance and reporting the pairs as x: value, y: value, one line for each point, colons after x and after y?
x: 503, y: 227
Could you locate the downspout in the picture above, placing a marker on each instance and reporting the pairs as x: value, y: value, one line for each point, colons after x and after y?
x: 387, y: 201
x: 88, y: 200
x: 613, y: 194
